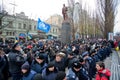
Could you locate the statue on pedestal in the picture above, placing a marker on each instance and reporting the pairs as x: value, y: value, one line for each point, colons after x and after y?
x: 64, y: 12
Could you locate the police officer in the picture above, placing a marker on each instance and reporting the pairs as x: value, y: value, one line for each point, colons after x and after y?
x: 16, y: 60
x: 77, y: 72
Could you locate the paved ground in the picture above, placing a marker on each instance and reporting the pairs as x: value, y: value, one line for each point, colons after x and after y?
x: 114, y: 65
x: 108, y: 62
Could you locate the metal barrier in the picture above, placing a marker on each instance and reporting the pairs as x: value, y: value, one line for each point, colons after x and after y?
x: 115, y: 67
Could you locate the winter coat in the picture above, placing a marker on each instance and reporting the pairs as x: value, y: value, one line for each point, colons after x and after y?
x: 30, y: 76
x: 60, y: 65
x: 38, y: 67
x: 103, y: 74
x: 16, y: 60
x: 47, y: 75
x: 72, y: 76
x: 2, y: 66
x: 70, y: 61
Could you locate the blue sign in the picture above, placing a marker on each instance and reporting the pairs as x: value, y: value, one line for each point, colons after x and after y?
x: 22, y: 35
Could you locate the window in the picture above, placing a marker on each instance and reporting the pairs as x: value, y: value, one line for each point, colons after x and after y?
x: 10, y: 24
x: 7, y: 33
x: 19, y: 25
x: 35, y: 27
x: 53, y: 30
x: 13, y: 33
x: 0, y: 21
x: 30, y: 27
x: 10, y: 33
x: 56, y: 30
x: 24, y: 26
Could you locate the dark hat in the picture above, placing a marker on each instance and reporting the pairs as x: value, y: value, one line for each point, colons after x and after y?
x: 77, y: 65
x: 81, y: 60
x: 96, y: 47
x: 25, y: 66
x: 15, y: 45
x: 38, y: 77
x: 40, y: 56
x: 51, y: 64
x: 71, y: 54
x: 85, y: 53
x: 60, y: 75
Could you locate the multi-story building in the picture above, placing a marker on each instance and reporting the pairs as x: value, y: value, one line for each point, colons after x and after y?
x: 19, y: 26
x: 56, y: 23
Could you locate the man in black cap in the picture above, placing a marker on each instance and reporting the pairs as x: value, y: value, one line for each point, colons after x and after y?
x: 16, y: 59
x: 70, y: 59
x: 77, y: 72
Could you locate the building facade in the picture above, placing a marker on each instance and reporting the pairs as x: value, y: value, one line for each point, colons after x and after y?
x: 19, y: 26
x: 56, y: 23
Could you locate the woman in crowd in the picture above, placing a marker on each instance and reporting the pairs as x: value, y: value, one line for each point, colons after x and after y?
x: 102, y: 73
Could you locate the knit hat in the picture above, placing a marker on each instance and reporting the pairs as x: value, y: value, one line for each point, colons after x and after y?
x: 25, y: 66
x: 60, y: 75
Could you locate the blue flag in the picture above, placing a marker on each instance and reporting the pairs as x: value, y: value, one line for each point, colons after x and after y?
x: 43, y: 26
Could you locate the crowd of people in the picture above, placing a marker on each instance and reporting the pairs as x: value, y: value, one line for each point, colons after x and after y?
x: 54, y: 60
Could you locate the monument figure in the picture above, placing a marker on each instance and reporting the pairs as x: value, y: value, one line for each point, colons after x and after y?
x: 64, y: 12
x: 65, y: 29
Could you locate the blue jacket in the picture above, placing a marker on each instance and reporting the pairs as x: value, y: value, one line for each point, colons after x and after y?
x: 72, y: 76
x: 30, y: 76
x: 38, y: 67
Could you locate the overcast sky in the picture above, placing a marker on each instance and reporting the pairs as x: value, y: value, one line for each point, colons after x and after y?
x: 36, y: 8
x: 40, y: 8
x: 45, y: 8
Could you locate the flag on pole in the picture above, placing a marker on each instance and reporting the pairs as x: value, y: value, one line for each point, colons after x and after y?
x: 43, y: 26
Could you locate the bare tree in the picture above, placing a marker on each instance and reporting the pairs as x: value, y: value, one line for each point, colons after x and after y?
x: 107, y: 10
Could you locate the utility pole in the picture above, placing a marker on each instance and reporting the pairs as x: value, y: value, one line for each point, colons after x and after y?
x: 14, y: 5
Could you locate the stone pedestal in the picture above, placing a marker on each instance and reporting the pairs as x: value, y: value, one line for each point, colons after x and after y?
x: 66, y: 32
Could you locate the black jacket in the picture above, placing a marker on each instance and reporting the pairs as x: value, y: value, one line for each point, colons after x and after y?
x: 15, y: 62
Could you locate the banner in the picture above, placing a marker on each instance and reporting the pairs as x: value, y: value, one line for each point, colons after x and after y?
x: 43, y: 26
x: 110, y: 36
